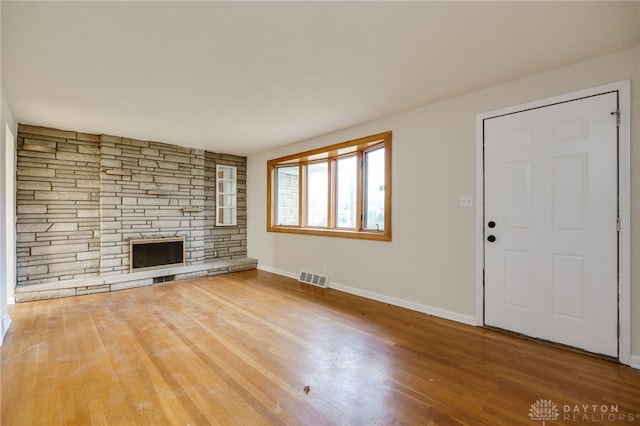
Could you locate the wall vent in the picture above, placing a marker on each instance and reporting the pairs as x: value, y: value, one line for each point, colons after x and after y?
x: 165, y: 279
x: 314, y: 279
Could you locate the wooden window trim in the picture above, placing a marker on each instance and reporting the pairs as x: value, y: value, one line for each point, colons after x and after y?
x: 331, y: 154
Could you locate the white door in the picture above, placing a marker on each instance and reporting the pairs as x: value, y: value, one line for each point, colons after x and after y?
x: 551, y: 241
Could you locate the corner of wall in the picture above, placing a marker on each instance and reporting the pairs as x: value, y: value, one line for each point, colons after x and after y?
x: 7, y: 120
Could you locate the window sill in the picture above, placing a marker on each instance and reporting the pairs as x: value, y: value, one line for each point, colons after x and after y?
x: 338, y: 233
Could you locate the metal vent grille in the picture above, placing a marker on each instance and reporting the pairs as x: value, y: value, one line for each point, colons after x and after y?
x: 165, y: 279
x: 314, y: 279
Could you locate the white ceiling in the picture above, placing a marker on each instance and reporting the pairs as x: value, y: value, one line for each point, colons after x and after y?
x: 243, y: 77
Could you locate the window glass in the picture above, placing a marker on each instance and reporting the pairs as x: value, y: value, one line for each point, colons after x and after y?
x: 347, y: 191
x: 374, y: 189
x: 317, y: 194
x: 287, y: 194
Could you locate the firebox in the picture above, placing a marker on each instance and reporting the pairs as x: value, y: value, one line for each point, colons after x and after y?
x: 156, y: 253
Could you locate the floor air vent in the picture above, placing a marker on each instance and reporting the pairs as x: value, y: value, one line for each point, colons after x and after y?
x: 165, y: 279
x: 314, y: 279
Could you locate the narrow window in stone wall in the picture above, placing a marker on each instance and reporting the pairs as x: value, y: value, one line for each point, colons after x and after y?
x: 226, y: 195
x: 342, y: 190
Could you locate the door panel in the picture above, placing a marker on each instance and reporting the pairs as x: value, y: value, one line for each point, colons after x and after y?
x: 569, y: 183
x: 569, y: 286
x: 517, y: 185
x: 551, y: 189
x: 517, y: 278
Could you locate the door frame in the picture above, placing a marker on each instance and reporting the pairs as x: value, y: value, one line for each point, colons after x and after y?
x: 624, y: 202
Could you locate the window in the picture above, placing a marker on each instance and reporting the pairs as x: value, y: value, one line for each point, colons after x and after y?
x: 317, y: 192
x: 374, y: 189
x: 287, y: 194
x: 346, y: 191
x: 342, y: 190
x: 226, y: 195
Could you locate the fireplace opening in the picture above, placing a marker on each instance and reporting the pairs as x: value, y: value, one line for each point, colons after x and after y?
x: 156, y: 253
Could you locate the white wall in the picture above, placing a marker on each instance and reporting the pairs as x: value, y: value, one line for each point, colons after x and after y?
x: 9, y: 129
x: 430, y: 264
x: 3, y: 251
x: 7, y: 218
x: 7, y: 203
x: 4, y: 112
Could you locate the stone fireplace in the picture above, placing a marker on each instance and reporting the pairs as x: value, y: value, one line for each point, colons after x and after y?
x: 82, y: 198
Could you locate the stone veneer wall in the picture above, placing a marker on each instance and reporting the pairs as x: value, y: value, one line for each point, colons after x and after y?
x: 82, y: 197
x: 58, y: 205
x: 224, y: 242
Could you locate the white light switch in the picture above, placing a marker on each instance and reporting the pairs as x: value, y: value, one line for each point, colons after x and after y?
x: 466, y: 201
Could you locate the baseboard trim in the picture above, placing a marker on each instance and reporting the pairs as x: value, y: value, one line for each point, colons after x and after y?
x: 277, y: 271
x: 5, y: 322
x: 425, y: 309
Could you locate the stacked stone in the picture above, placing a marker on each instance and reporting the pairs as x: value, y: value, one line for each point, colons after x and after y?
x: 82, y: 197
x: 58, y: 205
x: 225, y: 242
x: 144, y: 192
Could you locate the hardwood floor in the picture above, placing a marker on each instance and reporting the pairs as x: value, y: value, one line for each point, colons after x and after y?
x: 253, y: 348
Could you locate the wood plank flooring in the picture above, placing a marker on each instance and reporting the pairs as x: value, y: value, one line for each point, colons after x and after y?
x: 253, y: 348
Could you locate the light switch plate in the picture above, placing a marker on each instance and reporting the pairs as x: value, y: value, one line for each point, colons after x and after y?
x: 466, y: 201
